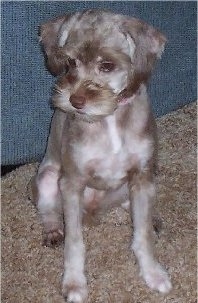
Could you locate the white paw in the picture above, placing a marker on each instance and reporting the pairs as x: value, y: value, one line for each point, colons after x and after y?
x: 74, y: 297
x: 126, y: 205
x: 75, y: 291
x: 157, y: 279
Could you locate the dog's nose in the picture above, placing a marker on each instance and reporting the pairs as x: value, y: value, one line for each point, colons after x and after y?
x: 77, y: 101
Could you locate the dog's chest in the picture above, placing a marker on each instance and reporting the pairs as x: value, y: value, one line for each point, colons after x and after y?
x: 105, y: 167
x: 107, y: 155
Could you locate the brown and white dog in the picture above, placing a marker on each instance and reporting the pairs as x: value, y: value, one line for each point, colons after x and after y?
x: 102, y: 145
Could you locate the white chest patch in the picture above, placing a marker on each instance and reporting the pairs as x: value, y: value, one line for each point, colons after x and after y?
x: 113, y: 134
x: 107, y: 157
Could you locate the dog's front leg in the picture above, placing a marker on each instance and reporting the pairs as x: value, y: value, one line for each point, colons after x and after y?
x: 74, y: 281
x: 142, y: 195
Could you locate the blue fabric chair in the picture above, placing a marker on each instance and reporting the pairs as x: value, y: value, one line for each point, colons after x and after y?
x: 26, y: 84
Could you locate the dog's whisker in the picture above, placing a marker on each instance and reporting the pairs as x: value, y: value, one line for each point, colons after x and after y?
x: 58, y: 90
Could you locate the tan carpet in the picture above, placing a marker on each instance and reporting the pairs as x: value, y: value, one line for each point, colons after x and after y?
x: 32, y: 273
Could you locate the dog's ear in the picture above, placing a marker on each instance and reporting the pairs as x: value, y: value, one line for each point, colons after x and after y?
x: 147, y: 45
x: 49, y: 36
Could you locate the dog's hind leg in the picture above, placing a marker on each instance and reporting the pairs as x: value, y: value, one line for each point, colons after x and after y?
x: 49, y: 204
x: 49, y: 200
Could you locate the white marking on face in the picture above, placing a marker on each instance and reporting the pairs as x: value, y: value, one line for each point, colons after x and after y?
x: 67, y: 26
x: 118, y: 81
x: 131, y: 45
x: 63, y: 38
x: 116, y: 39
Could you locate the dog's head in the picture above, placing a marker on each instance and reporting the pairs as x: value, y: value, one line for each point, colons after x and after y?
x: 100, y: 59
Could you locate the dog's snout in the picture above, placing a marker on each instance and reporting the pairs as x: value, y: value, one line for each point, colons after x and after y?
x: 77, y: 101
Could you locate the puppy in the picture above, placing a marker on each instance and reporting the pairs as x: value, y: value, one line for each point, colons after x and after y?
x: 102, y: 144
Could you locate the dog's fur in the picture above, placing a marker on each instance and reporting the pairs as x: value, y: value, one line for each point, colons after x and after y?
x: 102, y: 144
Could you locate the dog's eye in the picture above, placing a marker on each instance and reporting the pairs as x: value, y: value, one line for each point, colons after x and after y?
x: 107, y: 66
x: 71, y: 62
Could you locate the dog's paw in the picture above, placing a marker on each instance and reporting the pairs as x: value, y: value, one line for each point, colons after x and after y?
x: 75, y: 292
x: 53, y: 238
x: 157, y: 279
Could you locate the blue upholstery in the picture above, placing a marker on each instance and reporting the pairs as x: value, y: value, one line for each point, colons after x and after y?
x: 26, y: 85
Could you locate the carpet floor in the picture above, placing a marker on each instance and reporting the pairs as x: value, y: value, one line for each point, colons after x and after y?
x: 32, y: 273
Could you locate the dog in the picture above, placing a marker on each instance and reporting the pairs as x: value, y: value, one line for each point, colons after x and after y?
x: 102, y: 144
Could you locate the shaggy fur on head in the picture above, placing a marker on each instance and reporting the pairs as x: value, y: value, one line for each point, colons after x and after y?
x: 107, y: 56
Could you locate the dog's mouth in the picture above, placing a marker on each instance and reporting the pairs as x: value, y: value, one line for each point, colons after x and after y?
x: 90, y: 110
x: 90, y: 101
x: 93, y: 102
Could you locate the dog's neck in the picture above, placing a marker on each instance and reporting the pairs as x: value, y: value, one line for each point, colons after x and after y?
x: 126, y: 100
x: 126, y: 96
